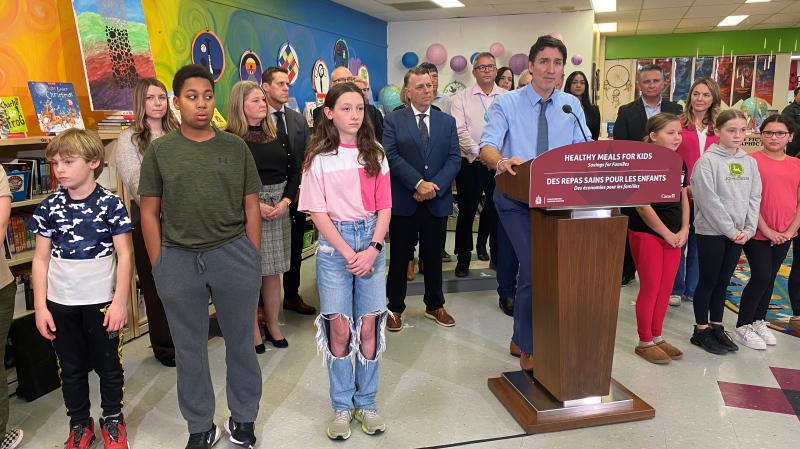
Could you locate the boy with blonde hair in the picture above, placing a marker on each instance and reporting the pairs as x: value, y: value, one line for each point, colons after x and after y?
x: 80, y: 293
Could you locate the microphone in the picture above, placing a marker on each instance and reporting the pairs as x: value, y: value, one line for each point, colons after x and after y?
x: 568, y: 110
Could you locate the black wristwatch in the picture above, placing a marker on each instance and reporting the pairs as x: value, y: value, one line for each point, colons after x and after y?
x: 377, y: 246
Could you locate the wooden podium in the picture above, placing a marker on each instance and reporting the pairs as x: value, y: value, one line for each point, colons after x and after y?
x: 578, y: 246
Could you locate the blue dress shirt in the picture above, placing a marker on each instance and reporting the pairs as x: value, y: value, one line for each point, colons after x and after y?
x: 513, y: 119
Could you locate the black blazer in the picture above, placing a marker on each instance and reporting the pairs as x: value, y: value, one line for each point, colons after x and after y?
x: 298, y: 132
x: 409, y: 162
x: 632, y: 119
x: 369, y: 111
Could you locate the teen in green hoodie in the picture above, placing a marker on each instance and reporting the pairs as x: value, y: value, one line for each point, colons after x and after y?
x: 726, y: 187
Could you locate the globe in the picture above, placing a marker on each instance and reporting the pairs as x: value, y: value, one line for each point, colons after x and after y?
x: 755, y: 107
x: 389, y: 96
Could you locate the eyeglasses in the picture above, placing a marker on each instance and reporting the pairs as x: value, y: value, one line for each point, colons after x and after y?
x: 486, y: 68
x: 778, y: 134
x: 365, y: 90
x: 349, y: 79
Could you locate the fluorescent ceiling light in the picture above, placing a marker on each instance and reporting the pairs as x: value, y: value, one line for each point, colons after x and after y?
x: 448, y: 3
x: 732, y: 21
x: 604, y: 5
x: 607, y: 27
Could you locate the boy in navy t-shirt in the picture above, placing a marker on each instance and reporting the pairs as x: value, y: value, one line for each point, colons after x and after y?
x: 80, y: 291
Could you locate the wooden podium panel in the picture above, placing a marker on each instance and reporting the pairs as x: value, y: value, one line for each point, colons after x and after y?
x: 576, y: 271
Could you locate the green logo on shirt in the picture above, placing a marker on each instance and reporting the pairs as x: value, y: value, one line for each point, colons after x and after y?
x: 736, y: 168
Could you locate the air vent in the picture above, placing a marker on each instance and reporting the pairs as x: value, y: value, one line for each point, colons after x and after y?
x: 414, y: 6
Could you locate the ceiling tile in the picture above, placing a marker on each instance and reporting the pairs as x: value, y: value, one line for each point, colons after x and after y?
x: 665, y: 13
x: 505, y: 2
x: 366, y: 6
x: 623, y: 33
x: 474, y: 11
x: 619, y: 16
x: 626, y: 26
x: 556, y: 5
x: 520, y: 8
x: 718, y: 2
x: 656, y: 31
x: 710, y: 11
x: 755, y: 19
x: 693, y: 30
x: 761, y: 8
x: 627, y: 5
x: 392, y: 16
x: 658, y: 4
x: 699, y: 22
x: 658, y: 24
x: 794, y: 7
x: 784, y: 19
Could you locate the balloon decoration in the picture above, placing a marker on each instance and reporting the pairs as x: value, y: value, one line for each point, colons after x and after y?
x: 410, y: 59
x: 577, y: 59
x: 436, y: 54
x: 474, y: 55
x: 556, y: 35
x: 518, y: 63
x: 458, y: 64
x: 497, y: 50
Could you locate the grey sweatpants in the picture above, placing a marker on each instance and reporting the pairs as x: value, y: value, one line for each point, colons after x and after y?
x: 231, y: 275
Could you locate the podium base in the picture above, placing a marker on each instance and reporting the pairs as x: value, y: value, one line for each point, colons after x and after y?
x: 537, y: 411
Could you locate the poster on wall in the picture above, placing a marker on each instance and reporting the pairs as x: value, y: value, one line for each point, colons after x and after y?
x: 250, y: 67
x: 341, y: 54
x: 287, y: 58
x: 639, y: 64
x: 320, y: 77
x: 616, y: 85
x: 793, y: 75
x: 207, y: 51
x: 703, y: 67
x: 363, y: 72
x: 666, y: 66
x: 765, y: 78
x: 723, y: 76
x: 682, y: 79
x: 115, y: 49
x: 742, y: 84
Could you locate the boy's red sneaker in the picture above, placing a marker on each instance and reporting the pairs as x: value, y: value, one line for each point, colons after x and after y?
x: 81, y: 435
x: 114, y: 434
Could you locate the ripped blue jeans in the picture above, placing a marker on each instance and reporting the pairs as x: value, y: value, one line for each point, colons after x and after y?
x: 353, y: 378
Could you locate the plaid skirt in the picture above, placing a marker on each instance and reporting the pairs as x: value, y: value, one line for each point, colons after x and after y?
x: 275, y: 235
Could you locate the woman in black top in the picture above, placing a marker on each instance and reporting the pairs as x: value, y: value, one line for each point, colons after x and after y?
x: 577, y: 84
x: 505, y: 78
x: 280, y: 177
x: 657, y: 232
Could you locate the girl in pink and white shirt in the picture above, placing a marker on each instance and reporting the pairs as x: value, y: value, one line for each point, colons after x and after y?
x: 346, y: 190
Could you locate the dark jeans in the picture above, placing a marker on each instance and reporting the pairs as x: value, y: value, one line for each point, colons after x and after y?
x: 291, y: 278
x: 83, y: 344
x: 404, y: 231
x: 160, y: 338
x: 765, y: 261
x: 470, y: 183
x: 7, y: 295
x: 718, y: 257
x: 507, y: 265
x: 488, y: 227
x: 794, y: 278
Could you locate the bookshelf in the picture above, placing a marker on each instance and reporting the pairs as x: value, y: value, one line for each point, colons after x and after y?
x: 44, y: 140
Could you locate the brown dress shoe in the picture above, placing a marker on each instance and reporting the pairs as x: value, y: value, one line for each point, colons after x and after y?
x: 652, y: 354
x: 394, y: 322
x: 673, y: 352
x: 513, y: 349
x: 526, y: 361
x: 410, y: 275
x: 441, y: 316
x: 298, y: 306
x: 794, y: 324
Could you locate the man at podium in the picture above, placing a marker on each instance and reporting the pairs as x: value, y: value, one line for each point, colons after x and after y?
x: 522, y: 125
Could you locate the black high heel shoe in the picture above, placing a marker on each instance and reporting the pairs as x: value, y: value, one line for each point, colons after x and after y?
x: 260, y: 349
x: 277, y: 343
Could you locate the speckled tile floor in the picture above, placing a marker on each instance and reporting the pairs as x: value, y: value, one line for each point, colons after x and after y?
x: 433, y: 389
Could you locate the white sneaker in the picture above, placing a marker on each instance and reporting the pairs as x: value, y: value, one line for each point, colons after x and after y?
x: 675, y: 300
x: 747, y: 336
x: 761, y: 328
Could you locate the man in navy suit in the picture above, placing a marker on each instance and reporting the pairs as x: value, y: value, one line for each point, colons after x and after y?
x: 630, y: 125
x: 421, y: 144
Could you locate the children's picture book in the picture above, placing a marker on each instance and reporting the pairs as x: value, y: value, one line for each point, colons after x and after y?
x: 56, y: 106
x: 218, y: 120
x: 13, y: 118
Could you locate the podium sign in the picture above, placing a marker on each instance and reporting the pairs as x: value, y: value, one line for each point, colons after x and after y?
x: 607, y: 172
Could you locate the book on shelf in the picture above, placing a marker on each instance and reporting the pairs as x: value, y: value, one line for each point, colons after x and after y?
x: 115, y: 122
x: 12, y: 118
x: 56, y: 106
x: 18, y: 238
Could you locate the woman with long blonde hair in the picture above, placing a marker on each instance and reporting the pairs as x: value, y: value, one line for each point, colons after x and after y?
x: 152, y: 119
x: 697, y: 122
x: 280, y: 177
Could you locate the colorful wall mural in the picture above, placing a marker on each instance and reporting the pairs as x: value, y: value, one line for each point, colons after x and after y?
x: 39, y: 41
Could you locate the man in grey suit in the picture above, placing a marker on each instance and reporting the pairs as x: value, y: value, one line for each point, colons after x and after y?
x: 275, y: 82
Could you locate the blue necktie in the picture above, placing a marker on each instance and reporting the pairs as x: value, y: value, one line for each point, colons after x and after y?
x: 542, y: 143
x: 423, y: 132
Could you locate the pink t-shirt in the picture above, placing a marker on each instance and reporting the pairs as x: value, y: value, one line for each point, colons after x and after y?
x: 780, y: 181
x: 338, y: 185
